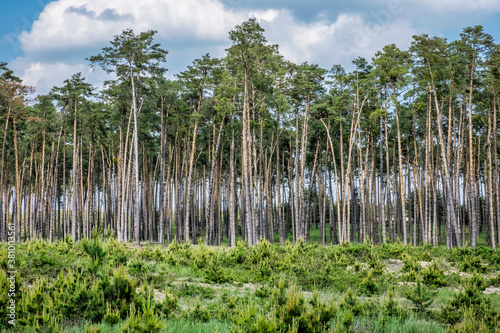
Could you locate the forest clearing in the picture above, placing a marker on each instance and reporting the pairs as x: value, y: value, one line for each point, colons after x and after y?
x: 253, y: 194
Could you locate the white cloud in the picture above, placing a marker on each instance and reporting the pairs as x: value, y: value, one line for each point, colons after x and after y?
x: 457, y: 5
x: 70, y: 23
x: 69, y: 27
x: 43, y: 76
x: 338, y: 42
x: 268, y: 15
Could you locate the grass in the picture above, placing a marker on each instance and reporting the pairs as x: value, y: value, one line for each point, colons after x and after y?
x: 186, y: 326
x: 443, y: 295
x: 172, y: 326
x: 412, y: 325
x: 302, y: 287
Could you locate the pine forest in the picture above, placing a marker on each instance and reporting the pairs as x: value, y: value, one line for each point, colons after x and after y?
x: 156, y: 199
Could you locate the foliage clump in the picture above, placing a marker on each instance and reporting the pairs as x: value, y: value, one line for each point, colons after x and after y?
x: 420, y: 297
x: 471, y: 264
x: 471, y: 303
x: 215, y: 272
x: 432, y: 275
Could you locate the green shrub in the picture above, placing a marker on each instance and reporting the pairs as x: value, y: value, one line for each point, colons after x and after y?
x: 495, y: 281
x: 94, y: 247
x: 426, y: 256
x: 263, y: 292
x: 263, y: 271
x: 420, y: 298
x: 244, y: 314
x: 194, y: 290
x: 117, y: 252
x: 169, y: 305
x: 278, y: 296
x: 112, y: 316
x: 43, y: 258
x: 119, y: 292
x: 72, y: 297
x: 472, y: 264
x: 95, y: 307
x: 264, y: 323
x: 349, y: 308
x: 411, y: 276
x: 377, y: 266
x: 63, y: 247
x: 200, y: 312
x: 95, y: 250
x: 137, y: 267
x: 350, y: 302
x: 391, y: 308
x: 68, y: 240
x: 171, y: 260
x: 344, y: 280
x: 470, y: 323
x: 368, y: 286
x: 149, y: 254
x: 215, y: 273
x: 336, y: 258
x: 433, y: 276
x: 239, y: 253
x: 174, y: 246
x: 471, y: 298
x: 201, y: 256
x: 392, y: 250
x: 262, y: 251
x: 294, y: 305
x: 145, y: 322
x: 410, y: 263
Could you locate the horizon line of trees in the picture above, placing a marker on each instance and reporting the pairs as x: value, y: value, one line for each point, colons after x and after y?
x: 403, y: 147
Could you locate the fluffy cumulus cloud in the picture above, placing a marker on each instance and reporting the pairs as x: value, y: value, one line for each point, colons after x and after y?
x: 457, y: 5
x: 45, y: 75
x: 70, y: 30
x: 348, y: 37
x: 73, y: 23
x: 67, y: 31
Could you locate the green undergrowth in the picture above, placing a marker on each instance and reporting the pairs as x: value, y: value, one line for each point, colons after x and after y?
x: 101, y: 285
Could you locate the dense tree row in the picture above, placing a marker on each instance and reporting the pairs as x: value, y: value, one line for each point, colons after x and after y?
x: 251, y: 145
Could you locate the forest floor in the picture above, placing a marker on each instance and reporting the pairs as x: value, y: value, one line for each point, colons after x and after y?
x: 107, y: 286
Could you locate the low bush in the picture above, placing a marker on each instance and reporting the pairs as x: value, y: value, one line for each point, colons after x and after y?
x: 471, y: 301
x: 215, y: 272
x: 471, y: 264
x: 432, y: 275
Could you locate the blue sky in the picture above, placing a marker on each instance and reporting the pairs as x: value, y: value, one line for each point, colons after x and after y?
x: 46, y: 41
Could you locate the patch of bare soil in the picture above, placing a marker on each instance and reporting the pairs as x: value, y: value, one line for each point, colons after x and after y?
x: 393, y: 265
x: 407, y: 283
x: 246, y: 286
x: 158, y: 296
x: 492, y: 290
x: 424, y: 264
x: 453, y: 270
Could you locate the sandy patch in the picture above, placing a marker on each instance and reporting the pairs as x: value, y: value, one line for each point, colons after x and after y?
x: 393, y: 265
x: 424, y: 264
x: 492, y: 290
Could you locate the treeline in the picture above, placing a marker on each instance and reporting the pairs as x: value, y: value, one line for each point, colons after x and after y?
x: 403, y: 147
